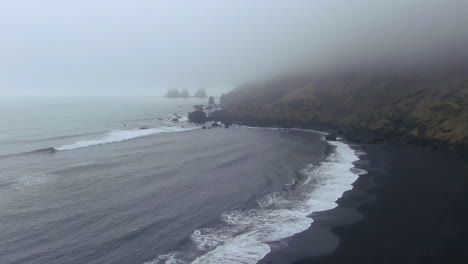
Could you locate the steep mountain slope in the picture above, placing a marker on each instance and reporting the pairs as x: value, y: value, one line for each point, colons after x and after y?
x: 427, y: 106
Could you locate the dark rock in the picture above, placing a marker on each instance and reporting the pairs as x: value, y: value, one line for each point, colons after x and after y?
x: 175, y: 119
x: 227, y: 123
x: 359, y: 134
x: 215, y: 125
x: 204, y: 127
x: 331, y: 137
x: 144, y: 128
x: 198, y: 116
x: 211, y: 100
x: 220, y: 116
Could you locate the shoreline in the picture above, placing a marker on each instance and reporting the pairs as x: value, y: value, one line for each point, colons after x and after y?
x: 344, y: 157
x: 409, y: 208
x: 352, y: 133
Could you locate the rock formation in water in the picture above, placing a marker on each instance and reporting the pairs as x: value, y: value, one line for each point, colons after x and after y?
x: 211, y: 100
x: 173, y: 93
x: 201, y: 93
x: 197, y: 116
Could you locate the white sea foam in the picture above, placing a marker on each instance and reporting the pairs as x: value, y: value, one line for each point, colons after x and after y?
x: 32, y: 180
x: 121, y: 135
x: 310, y: 130
x: 244, y: 236
x: 279, y: 217
x: 170, y: 258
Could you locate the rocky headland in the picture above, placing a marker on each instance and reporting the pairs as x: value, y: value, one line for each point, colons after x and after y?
x: 426, y: 107
x: 211, y: 113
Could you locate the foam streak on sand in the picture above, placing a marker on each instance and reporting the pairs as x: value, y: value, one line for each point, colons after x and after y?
x: 244, y: 235
x: 121, y: 135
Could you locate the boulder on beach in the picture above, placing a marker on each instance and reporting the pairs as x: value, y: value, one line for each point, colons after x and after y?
x: 175, y: 119
x: 215, y: 124
x: 144, y: 128
x: 331, y: 137
x: 198, y: 116
x: 221, y: 116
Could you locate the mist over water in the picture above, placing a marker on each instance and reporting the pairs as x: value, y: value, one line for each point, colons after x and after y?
x: 30, y: 124
x: 143, y: 47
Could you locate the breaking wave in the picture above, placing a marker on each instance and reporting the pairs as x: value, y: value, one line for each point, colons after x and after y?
x: 121, y: 135
x: 243, y: 235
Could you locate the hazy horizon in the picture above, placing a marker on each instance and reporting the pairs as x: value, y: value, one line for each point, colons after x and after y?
x: 141, y: 47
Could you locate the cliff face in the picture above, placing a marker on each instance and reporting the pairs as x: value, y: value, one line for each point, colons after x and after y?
x: 427, y: 107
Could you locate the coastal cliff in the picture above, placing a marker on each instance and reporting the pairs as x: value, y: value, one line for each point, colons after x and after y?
x: 425, y: 107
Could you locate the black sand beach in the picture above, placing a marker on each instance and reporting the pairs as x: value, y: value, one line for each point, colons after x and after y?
x: 411, y: 207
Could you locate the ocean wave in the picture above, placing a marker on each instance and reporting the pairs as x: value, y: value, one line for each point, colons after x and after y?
x: 14, y: 142
x: 244, y: 235
x: 121, y: 135
x: 44, y: 150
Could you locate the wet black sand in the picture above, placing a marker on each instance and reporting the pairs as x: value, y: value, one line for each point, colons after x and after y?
x: 411, y: 207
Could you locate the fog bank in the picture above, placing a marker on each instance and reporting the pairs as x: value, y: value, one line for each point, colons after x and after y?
x: 116, y: 47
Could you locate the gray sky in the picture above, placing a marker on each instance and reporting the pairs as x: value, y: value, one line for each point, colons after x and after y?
x: 135, y: 47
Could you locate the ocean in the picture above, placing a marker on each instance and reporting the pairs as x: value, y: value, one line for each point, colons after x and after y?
x: 119, y: 180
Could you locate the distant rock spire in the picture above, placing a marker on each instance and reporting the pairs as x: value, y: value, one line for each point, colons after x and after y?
x: 172, y: 93
x: 185, y: 93
x: 200, y: 93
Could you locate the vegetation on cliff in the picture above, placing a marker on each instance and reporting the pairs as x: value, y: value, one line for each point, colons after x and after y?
x: 427, y: 107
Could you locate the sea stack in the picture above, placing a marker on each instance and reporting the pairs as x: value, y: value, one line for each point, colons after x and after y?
x: 211, y: 100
